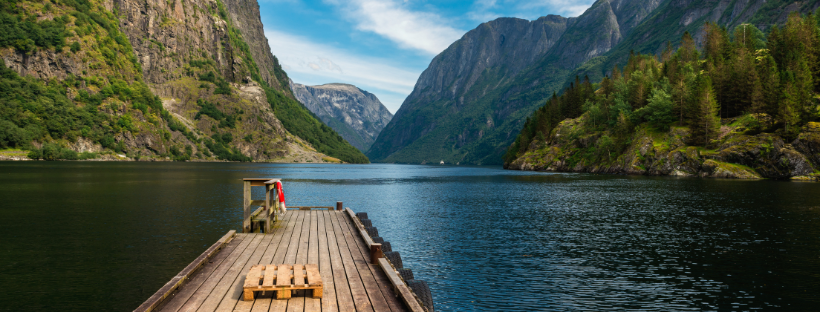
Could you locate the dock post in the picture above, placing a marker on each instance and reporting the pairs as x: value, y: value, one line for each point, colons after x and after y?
x: 246, y: 212
x: 339, y: 206
x: 376, y: 253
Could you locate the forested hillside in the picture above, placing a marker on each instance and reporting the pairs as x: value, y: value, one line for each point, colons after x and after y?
x: 746, y: 106
x: 149, y: 80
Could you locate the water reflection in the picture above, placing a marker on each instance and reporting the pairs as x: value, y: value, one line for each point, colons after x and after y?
x: 483, y: 238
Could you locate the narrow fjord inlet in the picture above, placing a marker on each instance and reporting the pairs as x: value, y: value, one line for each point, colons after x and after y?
x: 471, y: 155
x: 483, y: 238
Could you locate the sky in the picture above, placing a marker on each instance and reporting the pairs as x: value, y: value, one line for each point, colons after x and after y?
x: 381, y: 46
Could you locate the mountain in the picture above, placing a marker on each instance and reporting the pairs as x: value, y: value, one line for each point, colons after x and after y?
x: 151, y: 79
x: 743, y: 106
x: 356, y: 114
x: 470, y: 103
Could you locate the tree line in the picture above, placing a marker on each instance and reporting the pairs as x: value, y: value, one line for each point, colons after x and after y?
x: 772, y: 77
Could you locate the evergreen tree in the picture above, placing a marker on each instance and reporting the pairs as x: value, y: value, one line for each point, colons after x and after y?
x: 705, y: 122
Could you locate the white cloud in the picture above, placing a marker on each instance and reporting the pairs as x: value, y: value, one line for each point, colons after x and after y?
x: 486, y: 10
x: 314, y: 63
x: 423, y: 31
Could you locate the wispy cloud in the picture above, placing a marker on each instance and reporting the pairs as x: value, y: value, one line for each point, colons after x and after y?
x: 309, y: 62
x: 485, y: 10
x: 423, y: 31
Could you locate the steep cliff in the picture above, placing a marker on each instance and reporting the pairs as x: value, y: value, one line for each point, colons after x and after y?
x: 469, y: 103
x: 465, y: 116
x: 356, y: 114
x: 454, y: 102
x: 174, y: 79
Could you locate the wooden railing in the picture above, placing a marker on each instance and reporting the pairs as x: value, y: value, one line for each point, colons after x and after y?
x: 269, y: 207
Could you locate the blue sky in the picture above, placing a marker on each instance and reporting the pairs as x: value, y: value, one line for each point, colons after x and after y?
x: 381, y: 46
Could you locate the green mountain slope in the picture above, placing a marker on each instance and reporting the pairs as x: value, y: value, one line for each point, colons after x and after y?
x: 746, y: 106
x: 449, y: 118
x: 149, y: 80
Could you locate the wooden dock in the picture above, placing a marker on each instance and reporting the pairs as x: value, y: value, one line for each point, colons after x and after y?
x: 353, y: 278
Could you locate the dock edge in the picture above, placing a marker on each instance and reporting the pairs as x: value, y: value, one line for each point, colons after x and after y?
x: 180, y: 279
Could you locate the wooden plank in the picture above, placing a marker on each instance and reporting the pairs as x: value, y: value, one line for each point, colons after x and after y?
x: 377, y: 299
x: 283, y: 275
x: 310, y: 207
x: 262, y: 302
x: 233, y: 292
x: 224, y: 282
x: 313, y: 276
x: 404, y: 292
x: 265, y: 304
x: 254, y: 275
x: 195, y: 278
x: 289, y: 240
x: 329, y: 292
x: 357, y: 289
x: 283, y: 278
x: 246, y: 210
x: 344, y: 297
x: 182, y: 277
x: 384, y: 284
x: 298, y: 303
x: 298, y: 275
x: 177, y: 299
x: 270, y: 275
x: 203, y: 293
x: 313, y: 303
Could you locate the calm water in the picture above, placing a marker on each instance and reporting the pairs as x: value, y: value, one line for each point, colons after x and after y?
x: 89, y: 236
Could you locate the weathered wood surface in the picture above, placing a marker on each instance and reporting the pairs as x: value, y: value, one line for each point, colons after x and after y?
x: 184, y: 276
x: 327, y: 239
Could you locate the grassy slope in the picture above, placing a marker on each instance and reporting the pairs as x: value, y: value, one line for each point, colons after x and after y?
x: 113, y: 102
x: 296, y: 118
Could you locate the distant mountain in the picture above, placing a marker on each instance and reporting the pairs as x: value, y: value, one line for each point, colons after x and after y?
x: 470, y: 103
x: 356, y: 114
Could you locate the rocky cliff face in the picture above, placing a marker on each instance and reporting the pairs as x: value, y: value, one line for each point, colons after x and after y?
x: 194, y: 55
x: 357, y: 115
x: 468, y: 104
x: 472, y: 100
x: 246, y: 18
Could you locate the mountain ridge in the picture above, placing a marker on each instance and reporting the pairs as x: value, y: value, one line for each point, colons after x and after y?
x: 450, y: 125
x: 357, y: 115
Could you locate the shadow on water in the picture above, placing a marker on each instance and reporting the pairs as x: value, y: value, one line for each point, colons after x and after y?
x: 105, y: 236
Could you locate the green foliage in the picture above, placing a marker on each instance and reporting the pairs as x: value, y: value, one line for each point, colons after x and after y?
x: 733, y: 78
x: 53, y: 151
x: 659, y: 112
x: 24, y: 33
x: 219, y: 145
x: 302, y: 123
x: 209, y: 109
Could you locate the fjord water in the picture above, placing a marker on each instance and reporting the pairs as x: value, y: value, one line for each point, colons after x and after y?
x: 103, y: 236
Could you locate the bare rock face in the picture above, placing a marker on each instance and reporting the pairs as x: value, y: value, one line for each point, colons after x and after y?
x: 357, y: 115
x: 168, y: 35
x: 246, y: 18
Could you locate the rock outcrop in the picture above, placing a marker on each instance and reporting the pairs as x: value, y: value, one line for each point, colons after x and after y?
x: 737, y: 155
x: 357, y: 115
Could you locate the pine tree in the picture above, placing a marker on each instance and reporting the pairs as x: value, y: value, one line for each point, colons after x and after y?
x: 705, y: 123
x: 770, y: 86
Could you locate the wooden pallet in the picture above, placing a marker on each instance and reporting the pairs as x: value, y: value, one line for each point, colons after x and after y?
x: 283, y: 279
